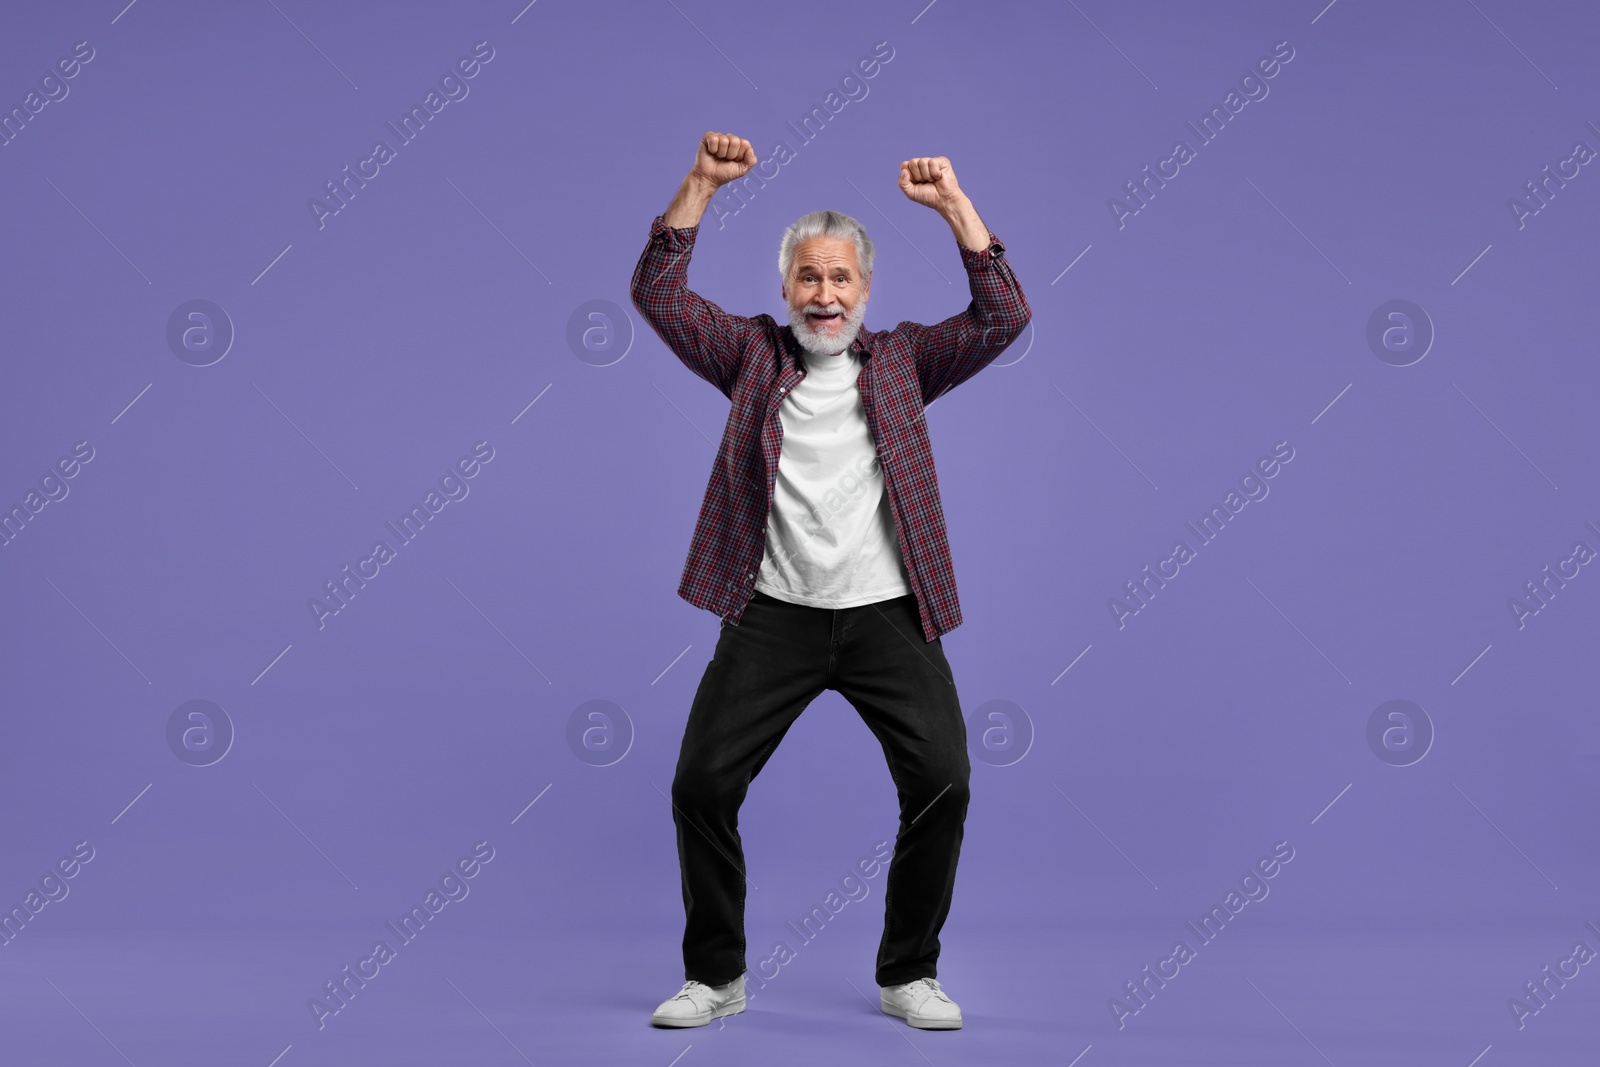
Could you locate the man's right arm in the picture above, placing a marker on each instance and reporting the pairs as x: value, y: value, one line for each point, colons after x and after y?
x: 705, y: 338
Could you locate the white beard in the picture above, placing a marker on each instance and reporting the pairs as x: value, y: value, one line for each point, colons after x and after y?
x: 818, y: 344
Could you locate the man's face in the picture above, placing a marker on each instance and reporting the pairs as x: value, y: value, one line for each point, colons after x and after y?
x: 826, y: 294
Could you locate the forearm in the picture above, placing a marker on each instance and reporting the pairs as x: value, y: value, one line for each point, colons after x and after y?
x: 694, y: 196
x: 707, y: 340
x: 965, y: 223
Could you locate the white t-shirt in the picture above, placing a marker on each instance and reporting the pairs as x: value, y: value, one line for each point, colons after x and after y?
x: 830, y: 535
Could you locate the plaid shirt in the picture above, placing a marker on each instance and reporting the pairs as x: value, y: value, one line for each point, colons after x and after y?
x: 754, y: 362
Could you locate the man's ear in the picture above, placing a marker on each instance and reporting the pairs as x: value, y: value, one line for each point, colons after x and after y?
x: 866, y: 287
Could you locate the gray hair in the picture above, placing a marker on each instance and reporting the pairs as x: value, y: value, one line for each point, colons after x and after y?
x: 825, y: 224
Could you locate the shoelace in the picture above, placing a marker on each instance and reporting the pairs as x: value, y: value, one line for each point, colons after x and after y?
x: 691, y: 990
x: 697, y: 993
x: 925, y: 988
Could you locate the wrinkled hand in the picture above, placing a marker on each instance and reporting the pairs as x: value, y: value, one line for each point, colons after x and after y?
x: 722, y: 158
x: 930, y: 181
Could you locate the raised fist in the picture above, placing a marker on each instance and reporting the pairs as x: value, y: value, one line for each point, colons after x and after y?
x: 722, y: 158
x: 929, y: 181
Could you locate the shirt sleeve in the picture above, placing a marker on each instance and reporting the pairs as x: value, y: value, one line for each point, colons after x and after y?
x: 950, y: 352
x: 708, y: 340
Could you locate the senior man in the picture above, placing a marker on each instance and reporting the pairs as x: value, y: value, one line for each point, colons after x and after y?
x: 821, y: 544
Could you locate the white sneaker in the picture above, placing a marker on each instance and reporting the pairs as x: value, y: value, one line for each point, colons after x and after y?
x: 697, y: 1004
x: 922, y: 1004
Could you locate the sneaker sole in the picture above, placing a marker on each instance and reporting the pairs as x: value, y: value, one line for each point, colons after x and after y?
x: 733, y: 1007
x: 919, y: 1021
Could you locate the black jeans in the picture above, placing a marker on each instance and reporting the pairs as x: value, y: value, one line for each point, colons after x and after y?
x: 761, y: 677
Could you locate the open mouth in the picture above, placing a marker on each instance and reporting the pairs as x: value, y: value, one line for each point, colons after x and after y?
x: 824, y: 319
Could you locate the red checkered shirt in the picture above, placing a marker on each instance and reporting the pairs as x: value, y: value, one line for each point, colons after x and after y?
x: 754, y: 362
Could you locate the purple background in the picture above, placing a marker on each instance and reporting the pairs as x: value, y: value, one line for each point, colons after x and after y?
x: 1229, y: 314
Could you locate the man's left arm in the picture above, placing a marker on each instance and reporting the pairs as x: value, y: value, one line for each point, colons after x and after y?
x: 952, y: 351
